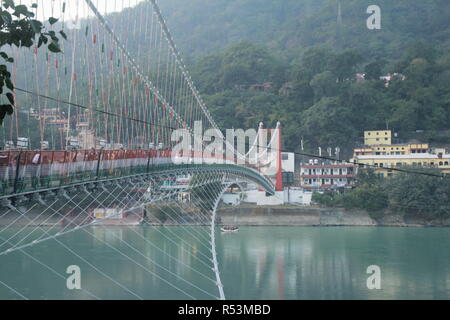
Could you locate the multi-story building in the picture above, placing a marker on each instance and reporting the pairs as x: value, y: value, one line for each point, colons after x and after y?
x: 327, y: 176
x: 373, y: 138
x: 385, y: 156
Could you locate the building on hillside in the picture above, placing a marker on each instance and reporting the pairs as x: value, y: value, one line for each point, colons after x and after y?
x: 380, y: 137
x: 360, y: 77
x: 327, y: 176
x: 266, y: 86
x: 286, y: 89
x: 385, y: 156
x: 390, y: 77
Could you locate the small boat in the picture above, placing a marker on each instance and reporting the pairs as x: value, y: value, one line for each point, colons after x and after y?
x: 230, y: 229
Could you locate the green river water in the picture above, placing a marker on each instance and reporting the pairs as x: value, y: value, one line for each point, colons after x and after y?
x: 255, y: 263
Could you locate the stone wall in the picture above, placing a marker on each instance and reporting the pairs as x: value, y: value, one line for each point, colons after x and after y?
x: 288, y: 216
x: 309, y: 216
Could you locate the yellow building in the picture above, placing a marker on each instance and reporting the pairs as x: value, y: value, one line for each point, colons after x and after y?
x: 372, y: 138
x: 385, y: 157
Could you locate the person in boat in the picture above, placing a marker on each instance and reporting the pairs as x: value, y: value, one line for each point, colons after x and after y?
x: 230, y: 228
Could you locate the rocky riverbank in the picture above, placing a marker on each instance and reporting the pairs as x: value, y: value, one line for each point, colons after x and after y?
x: 313, y: 216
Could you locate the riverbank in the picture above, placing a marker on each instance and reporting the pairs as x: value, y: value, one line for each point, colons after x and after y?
x: 247, y: 215
x: 315, y: 216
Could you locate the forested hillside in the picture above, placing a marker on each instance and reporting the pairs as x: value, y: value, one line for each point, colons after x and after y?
x: 296, y: 61
x: 320, y: 99
x: 308, y: 53
x: 289, y: 26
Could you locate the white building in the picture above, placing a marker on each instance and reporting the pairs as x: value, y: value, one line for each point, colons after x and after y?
x: 327, y: 176
x: 288, y: 161
x: 297, y: 196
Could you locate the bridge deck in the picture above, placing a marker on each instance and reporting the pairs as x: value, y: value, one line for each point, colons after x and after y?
x: 33, y: 171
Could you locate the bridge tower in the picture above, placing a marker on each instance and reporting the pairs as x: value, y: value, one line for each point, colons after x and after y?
x: 270, y: 154
x: 279, y: 176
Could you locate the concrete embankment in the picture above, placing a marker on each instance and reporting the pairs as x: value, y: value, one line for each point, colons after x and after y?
x: 310, y: 216
x: 242, y: 216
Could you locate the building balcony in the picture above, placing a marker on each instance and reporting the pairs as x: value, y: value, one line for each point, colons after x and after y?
x: 326, y: 186
x: 328, y: 176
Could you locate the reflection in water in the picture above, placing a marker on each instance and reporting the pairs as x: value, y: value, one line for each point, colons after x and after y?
x: 256, y: 263
x: 331, y: 263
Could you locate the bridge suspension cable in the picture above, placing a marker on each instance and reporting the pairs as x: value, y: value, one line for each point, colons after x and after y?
x: 91, y: 135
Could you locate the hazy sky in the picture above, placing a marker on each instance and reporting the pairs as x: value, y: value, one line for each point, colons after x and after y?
x: 74, y: 8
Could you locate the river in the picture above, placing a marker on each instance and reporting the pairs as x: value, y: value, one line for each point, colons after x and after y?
x: 256, y: 263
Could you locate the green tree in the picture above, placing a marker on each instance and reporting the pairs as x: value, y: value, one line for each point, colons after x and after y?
x: 421, y: 196
x: 405, y: 115
x: 374, y: 70
x: 325, y: 199
x: 327, y: 123
x: 324, y: 85
x: 344, y: 64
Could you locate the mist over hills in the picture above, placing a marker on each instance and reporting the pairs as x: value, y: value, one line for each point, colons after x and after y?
x: 200, y: 27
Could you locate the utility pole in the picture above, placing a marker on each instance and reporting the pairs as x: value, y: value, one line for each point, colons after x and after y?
x: 338, y: 39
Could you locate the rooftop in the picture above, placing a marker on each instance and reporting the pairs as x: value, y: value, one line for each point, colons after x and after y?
x: 405, y: 156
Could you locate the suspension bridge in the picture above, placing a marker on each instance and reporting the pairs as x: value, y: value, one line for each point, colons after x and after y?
x: 90, y: 143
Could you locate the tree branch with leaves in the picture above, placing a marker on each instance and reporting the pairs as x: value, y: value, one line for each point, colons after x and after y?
x: 20, y: 28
